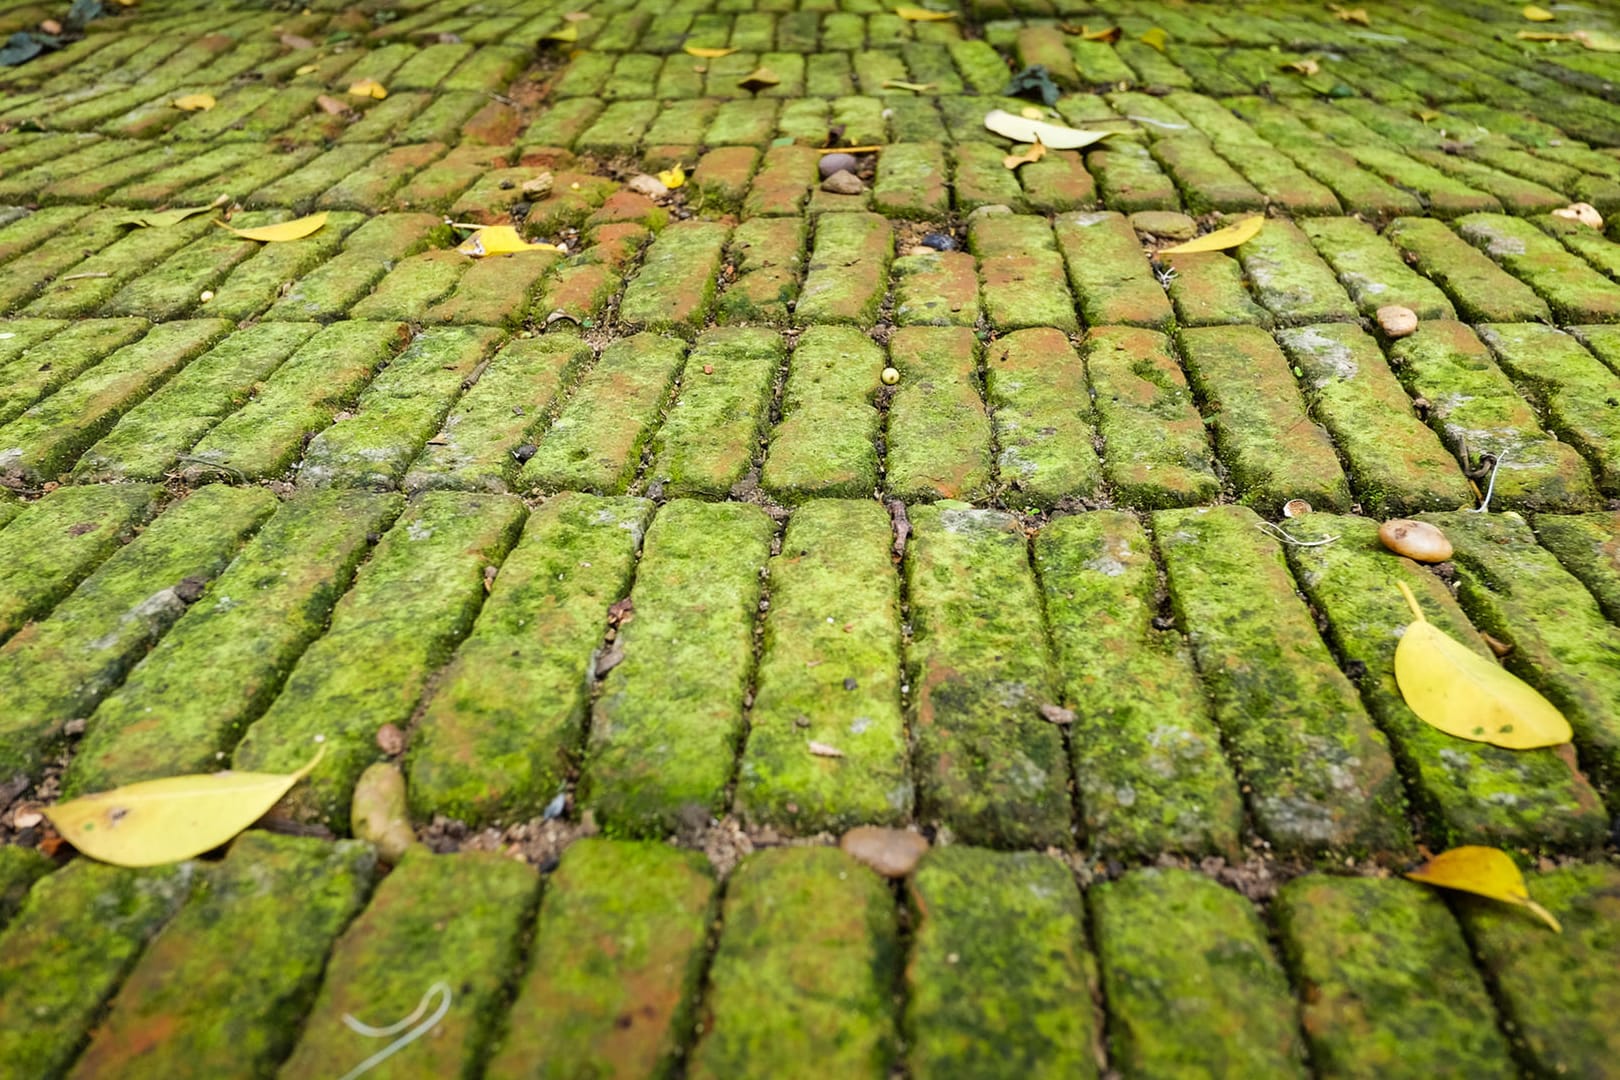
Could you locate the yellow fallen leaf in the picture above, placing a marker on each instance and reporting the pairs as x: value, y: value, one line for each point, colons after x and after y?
x: 706, y: 54
x: 499, y: 240
x: 564, y: 34
x: 1155, y: 38
x: 1536, y: 14
x: 1483, y: 871
x: 1453, y: 688
x: 296, y: 229
x: 1220, y: 239
x: 368, y: 88
x: 1597, y: 40
x: 1303, y: 67
x: 849, y: 150
x: 915, y: 88
x: 758, y: 79
x: 307, y: 69
x: 164, y: 821
x: 1022, y: 129
x: 1108, y: 34
x: 1036, y: 151
x: 194, y: 102
x: 1543, y: 35
x: 913, y: 14
x: 673, y: 178
x: 162, y: 219
x: 1350, y: 15
x: 1426, y: 115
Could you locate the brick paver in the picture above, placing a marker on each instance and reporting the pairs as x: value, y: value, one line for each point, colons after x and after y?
x: 934, y: 497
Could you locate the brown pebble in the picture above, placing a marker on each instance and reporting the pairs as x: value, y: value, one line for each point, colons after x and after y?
x: 377, y: 811
x: 1397, y: 321
x: 1585, y: 213
x: 891, y: 852
x: 1057, y: 714
x: 843, y: 183
x: 391, y: 740
x: 1416, y: 540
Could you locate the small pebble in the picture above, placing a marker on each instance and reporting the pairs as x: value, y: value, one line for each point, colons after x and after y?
x: 391, y: 740
x: 1416, y: 540
x: 939, y: 241
x: 990, y: 210
x: 1057, y: 714
x: 555, y: 808
x: 26, y: 819
x: 207, y: 295
x: 1296, y: 508
x: 1397, y: 321
x: 919, y: 249
x: 890, y: 376
x: 650, y: 186
x: 843, y: 183
x: 1585, y: 213
x: 894, y: 853
x: 835, y: 163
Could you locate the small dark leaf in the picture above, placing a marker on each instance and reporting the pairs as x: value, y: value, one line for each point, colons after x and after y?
x: 19, y: 47
x: 1033, y: 82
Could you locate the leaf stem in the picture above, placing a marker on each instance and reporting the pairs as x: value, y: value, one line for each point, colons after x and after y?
x: 1411, y: 601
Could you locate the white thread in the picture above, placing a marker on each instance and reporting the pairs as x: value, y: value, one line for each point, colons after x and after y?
x: 1485, y: 507
x: 409, y: 1037
x: 1277, y: 532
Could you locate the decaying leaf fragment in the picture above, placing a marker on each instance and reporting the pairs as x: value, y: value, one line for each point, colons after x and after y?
x: 164, y: 821
x: 296, y: 229
x: 1106, y: 34
x: 1537, y: 14
x: 1453, y: 688
x: 1221, y: 239
x: 706, y: 54
x: 162, y: 219
x: 1306, y: 66
x: 194, y: 102
x: 1033, y: 154
x: 499, y: 240
x: 916, y: 14
x: 673, y: 178
x: 1024, y: 130
x: 1350, y: 15
x: 915, y: 88
x: 370, y: 88
x: 1155, y: 38
x: 761, y: 78
x: 565, y: 35
x: 1483, y: 871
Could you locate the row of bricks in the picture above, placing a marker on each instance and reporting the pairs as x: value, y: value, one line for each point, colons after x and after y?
x: 685, y: 721
x: 642, y: 963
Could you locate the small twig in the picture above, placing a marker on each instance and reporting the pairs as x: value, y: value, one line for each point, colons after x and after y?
x: 1490, y: 488
x: 403, y: 1041
x: 81, y: 277
x: 1278, y: 533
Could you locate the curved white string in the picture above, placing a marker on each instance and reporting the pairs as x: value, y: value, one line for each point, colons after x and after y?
x: 403, y: 1041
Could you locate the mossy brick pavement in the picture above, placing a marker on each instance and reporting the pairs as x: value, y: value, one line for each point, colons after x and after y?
x: 653, y: 586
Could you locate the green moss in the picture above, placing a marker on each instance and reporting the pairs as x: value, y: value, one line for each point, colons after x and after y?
x: 1290, y: 279
x: 980, y: 179
x: 1574, y: 291
x: 825, y: 443
x: 848, y: 270
x: 1387, y: 981
x: 459, y: 920
x: 222, y: 990
x: 988, y: 765
x: 939, y: 435
x: 614, y: 980
x: 1208, y: 289
x: 1481, y: 291
x: 98, y: 278
x: 1588, y: 545
x: 1147, y: 758
x: 834, y: 620
x: 1372, y: 270
x: 1036, y: 387
x: 1207, y: 183
x: 412, y: 286
x: 20, y: 867
x: 175, y: 285
x: 1319, y: 776
x: 1111, y: 279
x: 495, y: 291
x: 937, y: 289
x: 715, y: 423
x: 1192, y: 988
x: 1021, y: 274
x: 675, y: 287
x: 781, y: 1004
x: 69, y: 948
x: 331, y: 289
x: 910, y: 181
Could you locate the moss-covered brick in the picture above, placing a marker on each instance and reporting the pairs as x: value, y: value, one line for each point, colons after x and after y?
x: 24, y: 184
x: 1557, y: 992
x: 54, y: 543
x: 783, y: 184
x: 782, y: 1004
x: 96, y: 279
x: 254, y: 285
x: 1147, y: 758
x: 1021, y: 273
x: 940, y: 288
x: 1290, y: 279
x: 45, y: 439
x: 1155, y: 450
x: 301, y: 397
x: 175, y: 286
x: 768, y: 254
x: 617, y: 967
x: 848, y: 270
x: 440, y: 184
x: 911, y: 182
x: 620, y: 126
x: 1129, y: 180
x: 370, y: 187
x: 495, y: 291
x: 825, y: 443
x: 596, y: 442
x: 1574, y: 389
x: 299, y: 189
x: 722, y: 175
x: 1096, y: 62
x: 1359, y: 190
x: 714, y: 428
x: 29, y: 232
x: 1209, y: 289
x: 1599, y: 252
x: 1573, y: 290
x: 512, y: 396
x: 1479, y: 288
x: 675, y: 286
x: 459, y: 920
x: 1472, y: 403
x: 1588, y: 545
x: 985, y: 1003
x: 1207, y: 183
x: 1058, y: 183
x: 183, y: 708
x: 94, y: 184
x: 826, y: 75
x: 582, y: 285
x: 989, y: 767
x: 69, y: 948
x: 939, y: 435
x: 410, y: 605
x: 1036, y: 388
x: 1272, y: 450
x: 1517, y: 592
x: 1111, y: 278
x: 222, y: 990
x: 31, y: 271
x: 1384, y: 971
x: 20, y: 868
x: 189, y: 172
x: 1191, y: 985
x: 1318, y: 775
x: 1468, y: 792
x: 1515, y: 194
x: 147, y: 442
x: 830, y: 673
x: 980, y: 179
x: 398, y: 412
x: 330, y: 290
x: 504, y: 722
x: 412, y: 286
x: 57, y: 669
x: 1396, y: 464
x: 1372, y: 271
x: 48, y: 353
